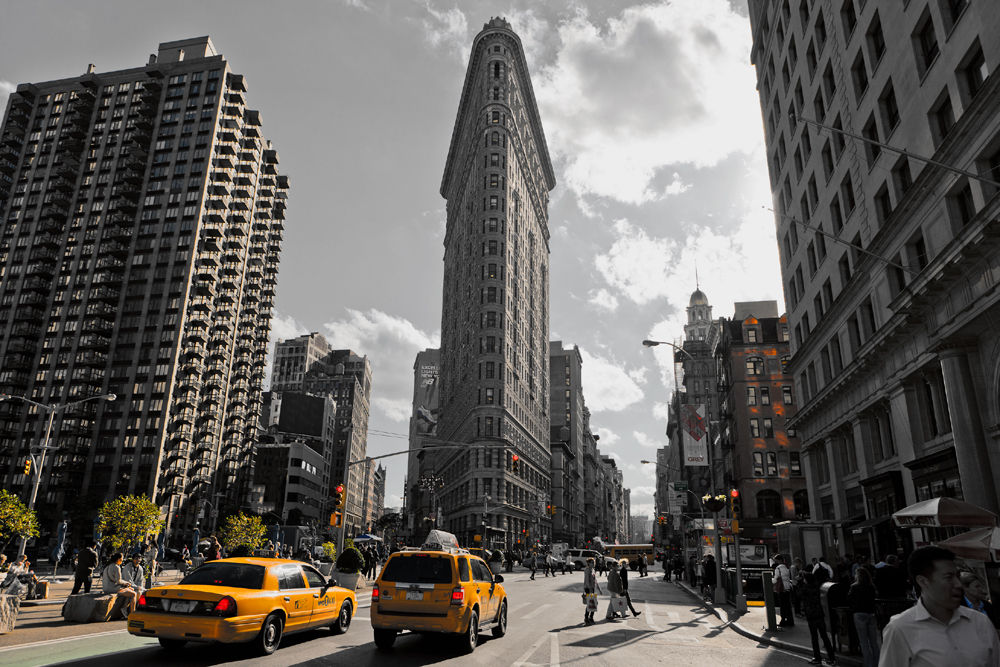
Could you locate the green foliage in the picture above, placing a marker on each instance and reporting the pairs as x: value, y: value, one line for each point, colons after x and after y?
x: 243, y: 533
x: 329, y: 550
x: 389, y: 521
x: 16, y: 520
x: 127, y: 520
x: 350, y: 560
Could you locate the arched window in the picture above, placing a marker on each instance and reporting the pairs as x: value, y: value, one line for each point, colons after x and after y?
x: 496, y: 70
x: 495, y: 138
x: 801, y: 499
x: 769, y: 505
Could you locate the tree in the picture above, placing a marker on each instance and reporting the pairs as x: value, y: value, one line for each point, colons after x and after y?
x: 16, y: 520
x: 127, y: 520
x: 389, y: 521
x: 243, y: 533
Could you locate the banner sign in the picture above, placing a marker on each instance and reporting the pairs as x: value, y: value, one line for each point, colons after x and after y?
x: 694, y: 432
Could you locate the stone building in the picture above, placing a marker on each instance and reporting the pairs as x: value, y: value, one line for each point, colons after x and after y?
x: 888, y: 263
x: 418, y: 496
x: 566, y: 408
x: 495, y: 316
x: 142, y: 215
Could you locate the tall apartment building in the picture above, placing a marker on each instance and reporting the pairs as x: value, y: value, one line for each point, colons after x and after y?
x: 761, y: 454
x: 495, y: 316
x: 417, y: 498
x: 566, y: 407
x: 894, y: 336
x: 142, y: 216
x: 294, y: 357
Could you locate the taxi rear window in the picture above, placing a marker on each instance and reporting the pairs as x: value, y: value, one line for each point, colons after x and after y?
x: 227, y: 575
x: 417, y: 569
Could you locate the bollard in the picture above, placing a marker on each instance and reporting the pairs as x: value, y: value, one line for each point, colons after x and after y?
x: 765, y: 577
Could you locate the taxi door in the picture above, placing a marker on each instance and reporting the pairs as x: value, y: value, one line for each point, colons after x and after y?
x: 295, y: 596
x: 326, y: 607
x: 484, y: 583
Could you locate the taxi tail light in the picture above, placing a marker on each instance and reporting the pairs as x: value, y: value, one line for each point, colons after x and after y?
x: 375, y: 594
x: 225, y: 608
x: 141, y: 604
x: 458, y: 596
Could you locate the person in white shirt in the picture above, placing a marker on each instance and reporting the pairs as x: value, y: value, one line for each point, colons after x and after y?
x: 112, y: 582
x: 783, y: 587
x: 823, y: 564
x: 134, y: 573
x: 939, y: 631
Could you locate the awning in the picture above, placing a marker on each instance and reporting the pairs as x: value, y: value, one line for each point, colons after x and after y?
x: 860, y: 528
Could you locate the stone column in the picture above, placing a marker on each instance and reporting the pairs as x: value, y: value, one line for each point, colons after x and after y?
x: 971, y: 451
x: 902, y: 430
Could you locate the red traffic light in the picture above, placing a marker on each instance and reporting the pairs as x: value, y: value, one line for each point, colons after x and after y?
x: 515, y: 457
x: 735, y: 493
x: 339, y: 488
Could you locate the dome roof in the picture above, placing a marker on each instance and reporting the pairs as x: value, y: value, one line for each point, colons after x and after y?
x: 698, y: 298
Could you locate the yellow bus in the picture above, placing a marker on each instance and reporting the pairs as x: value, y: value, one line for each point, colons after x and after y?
x: 633, y: 552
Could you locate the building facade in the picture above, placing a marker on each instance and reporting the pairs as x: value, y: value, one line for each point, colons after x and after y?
x: 566, y: 407
x: 761, y: 454
x: 418, y: 496
x: 495, y: 317
x: 293, y: 358
x: 142, y: 216
x: 887, y: 264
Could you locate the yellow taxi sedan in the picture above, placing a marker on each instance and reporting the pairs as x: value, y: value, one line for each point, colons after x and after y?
x: 243, y: 600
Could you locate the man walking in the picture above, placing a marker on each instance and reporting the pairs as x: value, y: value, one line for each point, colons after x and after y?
x: 533, y: 564
x: 85, y: 564
x: 783, y: 587
x: 623, y: 575
x: 939, y: 630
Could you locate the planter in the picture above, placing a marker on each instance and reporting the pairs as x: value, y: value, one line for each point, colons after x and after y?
x: 496, y: 566
x: 347, y: 580
x: 325, y: 569
x: 714, y: 505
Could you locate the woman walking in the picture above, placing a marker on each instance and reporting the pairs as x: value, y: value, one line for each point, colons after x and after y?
x: 615, y: 588
x: 590, y: 587
x: 862, y: 600
x: 623, y: 575
x: 812, y: 607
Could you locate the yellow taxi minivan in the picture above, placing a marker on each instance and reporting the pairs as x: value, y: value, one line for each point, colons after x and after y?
x: 243, y: 600
x: 439, y: 588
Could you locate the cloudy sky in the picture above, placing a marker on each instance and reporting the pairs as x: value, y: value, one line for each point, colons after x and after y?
x: 651, y: 119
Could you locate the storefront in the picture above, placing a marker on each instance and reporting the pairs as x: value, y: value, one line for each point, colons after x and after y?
x: 883, y: 496
x: 937, y: 476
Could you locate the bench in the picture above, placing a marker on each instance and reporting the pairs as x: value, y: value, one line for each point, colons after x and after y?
x: 93, y: 607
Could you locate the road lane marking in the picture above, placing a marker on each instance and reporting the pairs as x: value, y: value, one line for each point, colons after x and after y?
x: 649, y: 618
x: 63, y: 639
x: 537, y: 611
x: 554, y: 650
x: 527, y: 654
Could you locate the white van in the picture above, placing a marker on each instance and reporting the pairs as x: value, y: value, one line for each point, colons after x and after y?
x: 577, y: 558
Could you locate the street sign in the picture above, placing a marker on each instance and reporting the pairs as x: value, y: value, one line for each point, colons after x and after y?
x: 477, y: 538
x: 725, y: 525
x: 215, y: 514
x: 536, y: 510
x: 681, y: 486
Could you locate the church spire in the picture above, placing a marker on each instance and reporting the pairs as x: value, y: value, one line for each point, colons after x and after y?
x: 697, y: 285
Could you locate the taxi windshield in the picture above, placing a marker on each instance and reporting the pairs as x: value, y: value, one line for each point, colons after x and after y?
x: 418, y: 570
x: 228, y: 575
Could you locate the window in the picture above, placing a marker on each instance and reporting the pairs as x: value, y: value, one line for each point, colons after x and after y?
x: 772, y: 464
x: 754, y: 428
x: 859, y: 74
x: 811, y: 60
x: 849, y: 17
x: 755, y: 366
x: 786, y: 395
x: 963, y: 204
x: 839, y: 142
x: 826, y: 155
x: 926, y: 43
x: 902, y: 177
x: 890, y: 110
x: 751, y: 395
x: 883, y: 204
x: 916, y: 252
x: 758, y: 464
x: 974, y: 74
x: 795, y: 464
x: 751, y: 335
x: 847, y: 194
x: 952, y: 10
x: 876, y: 41
x: 765, y: 396
x: 870, y: 132
x: 942, y: 118
x: 769, y: 505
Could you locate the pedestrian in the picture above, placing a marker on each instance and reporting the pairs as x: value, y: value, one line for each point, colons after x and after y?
x: 86, y: 561
x: 666, y: 569
x: 3, y: 562
x: 590, y: 590
x: 623, y: 575
x: 823, y: 570
x: 185, y: 553
x: 614, y: 588
x: 711, y: 577
x: 113, y: 583
x: 548, y: 564
x: 533, y: 564
x: 977, y: 595
x: 642, y: 565
x: 939, y: 629
x: 133, y: 573
x: 562, y: 564
x: 890, y: 580
x: 783, y: 587
x: 795, y: 574
x: 861, y: 597
x: 812, y: 606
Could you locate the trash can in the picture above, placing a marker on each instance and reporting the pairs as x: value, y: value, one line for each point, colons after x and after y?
x: 840, y: 619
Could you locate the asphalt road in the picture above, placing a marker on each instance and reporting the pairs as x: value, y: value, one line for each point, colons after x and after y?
x: 545, y: 629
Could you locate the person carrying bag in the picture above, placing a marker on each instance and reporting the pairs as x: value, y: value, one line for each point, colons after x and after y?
x: 590, y: 587
x: 615, y: 588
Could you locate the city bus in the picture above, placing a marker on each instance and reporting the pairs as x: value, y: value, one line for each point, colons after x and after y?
x: 633, y: 552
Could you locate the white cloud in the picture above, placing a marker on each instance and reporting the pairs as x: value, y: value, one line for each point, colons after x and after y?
x: 638, y: 375
x: 393, y: 500
x: 6, y: 89
x: 608, y: 385
x: 645, y: 441
x: 657, y: 85
x: 661, y: 411
x: 643, y: 492
x: 391, y: 344
x: 604, y: 300
x: 677, y: 186
x: 608, y: 437
x: 357, y: 4
x: 448, y: 29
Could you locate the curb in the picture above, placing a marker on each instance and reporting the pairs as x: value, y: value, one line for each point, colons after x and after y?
x: 42, y: 603
x: 724, y: 615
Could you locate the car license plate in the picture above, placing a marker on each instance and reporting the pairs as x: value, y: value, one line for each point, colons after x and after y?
x: 179, y: 606
x: 414, y: 595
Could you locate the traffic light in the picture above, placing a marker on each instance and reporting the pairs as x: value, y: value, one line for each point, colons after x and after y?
x: 514, y: 461
x: 550, y: 509
x: 338, y: 496
x: 736, y: 503
x: 27, y: 466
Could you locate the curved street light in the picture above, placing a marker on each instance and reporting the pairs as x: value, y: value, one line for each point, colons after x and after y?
x: 40, y: 463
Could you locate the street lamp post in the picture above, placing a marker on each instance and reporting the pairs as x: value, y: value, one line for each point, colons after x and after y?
x: 40, y: 462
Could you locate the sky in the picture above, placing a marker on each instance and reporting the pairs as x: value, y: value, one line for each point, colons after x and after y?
x: 652, y: 122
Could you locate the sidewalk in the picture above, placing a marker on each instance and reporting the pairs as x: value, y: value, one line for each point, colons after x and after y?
x: 62, y: 586
x: 752, y: 624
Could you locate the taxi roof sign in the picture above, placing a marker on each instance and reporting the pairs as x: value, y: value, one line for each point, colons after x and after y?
x: 439, y: 540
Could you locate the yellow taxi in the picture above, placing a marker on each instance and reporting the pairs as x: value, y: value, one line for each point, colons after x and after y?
x: 439, y: 588
x: 242, y: 600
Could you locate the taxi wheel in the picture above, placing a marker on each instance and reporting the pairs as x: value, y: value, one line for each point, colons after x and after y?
x: 270, y: 635
x: 343, y: 622
x: 172, y: 644
x: 471, y: 636
x: 384, y: 639
x: 500, y: 629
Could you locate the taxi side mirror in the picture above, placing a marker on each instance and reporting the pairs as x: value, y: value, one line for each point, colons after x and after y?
x: 498, y: 579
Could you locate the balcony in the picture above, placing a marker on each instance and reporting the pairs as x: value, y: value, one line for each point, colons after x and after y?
x: 96, y: 325
x: 18, y: 362
x: 6, y: 166
x: 105, y: 294
x: 94, y: 341
x: 103, y: 310
x: 54, y: 213
x: 108, y: 278
x: 12, y: 140
x: 85, y: 97
x: 46, y: 269
x: 14, y: 379
x: 91, y: 358
x: 94, y: 376
x: 71, y: 145
x: 111, y: 264
x: 124, y: 206
x: 35, y: 315
x: 26, y: 330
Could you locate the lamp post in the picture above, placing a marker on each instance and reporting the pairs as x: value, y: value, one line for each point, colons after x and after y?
x: 39, y: 463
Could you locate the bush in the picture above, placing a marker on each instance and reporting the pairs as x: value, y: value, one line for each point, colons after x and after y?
x: 241, y: 551
x: 329, y: 551
x: 350, y: 561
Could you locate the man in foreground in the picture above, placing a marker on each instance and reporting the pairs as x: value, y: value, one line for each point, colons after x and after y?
x: 938, y: 631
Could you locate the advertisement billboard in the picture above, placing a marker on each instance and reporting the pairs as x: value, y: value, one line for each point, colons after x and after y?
x: 694, y: 433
